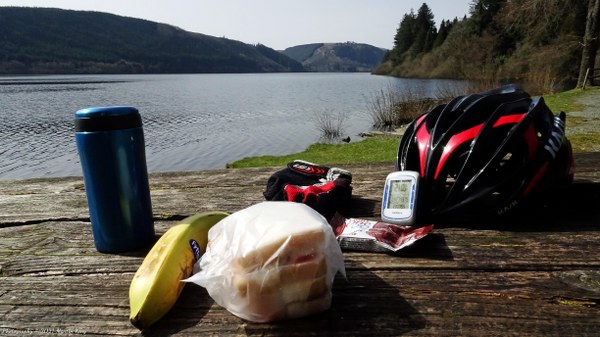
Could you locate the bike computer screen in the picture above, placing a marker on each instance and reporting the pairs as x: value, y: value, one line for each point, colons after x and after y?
x: 399, y: 197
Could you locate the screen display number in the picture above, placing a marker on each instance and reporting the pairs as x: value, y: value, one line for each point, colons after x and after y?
x: 400, y: 191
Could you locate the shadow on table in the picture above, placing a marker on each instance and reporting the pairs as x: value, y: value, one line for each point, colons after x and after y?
x: 431, y: 247
x: 192, y: 305
x: 363, y: 305
x: 359, y: 207
x: 576, y: 208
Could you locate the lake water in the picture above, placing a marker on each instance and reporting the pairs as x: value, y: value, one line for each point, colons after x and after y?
x: 191, y: 122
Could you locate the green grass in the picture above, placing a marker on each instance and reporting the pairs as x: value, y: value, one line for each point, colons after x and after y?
x: 585, y: 142
x: 566, y: 101
x: 369, y: 150
x: 384, y: 149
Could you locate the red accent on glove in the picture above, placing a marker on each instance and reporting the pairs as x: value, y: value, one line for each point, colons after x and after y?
x: 307, y: 194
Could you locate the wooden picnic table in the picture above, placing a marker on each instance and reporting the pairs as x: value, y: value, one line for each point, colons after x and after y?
x: 536, y: 276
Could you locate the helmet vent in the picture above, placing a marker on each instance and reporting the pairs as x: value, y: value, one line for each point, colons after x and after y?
x: 485, y: 154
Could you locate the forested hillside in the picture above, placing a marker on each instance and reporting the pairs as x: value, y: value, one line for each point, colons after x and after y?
x: 347, y: 56
x: 43, y: 40
x: 535, y: 42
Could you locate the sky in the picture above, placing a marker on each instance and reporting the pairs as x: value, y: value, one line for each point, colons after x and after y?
x: 278, y: 24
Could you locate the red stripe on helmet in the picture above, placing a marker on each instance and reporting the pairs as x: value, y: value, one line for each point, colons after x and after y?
x: 532, y: 140
x: 423, y: 137
x: 470, y: 134
x: 536, y: 179
x: 454, y: 142
x: 510, y: 119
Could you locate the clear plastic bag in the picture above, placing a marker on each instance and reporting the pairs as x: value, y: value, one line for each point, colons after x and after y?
x: 271, y: 261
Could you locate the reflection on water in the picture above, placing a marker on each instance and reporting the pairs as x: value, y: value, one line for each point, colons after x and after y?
x: 16, y: 85
x: 18, y: 90
x: 191, y: 122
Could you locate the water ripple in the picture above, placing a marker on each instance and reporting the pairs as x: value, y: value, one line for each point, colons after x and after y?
x: 191, y: 122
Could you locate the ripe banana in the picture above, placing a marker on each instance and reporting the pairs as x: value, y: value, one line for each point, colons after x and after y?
x: 157, y: 284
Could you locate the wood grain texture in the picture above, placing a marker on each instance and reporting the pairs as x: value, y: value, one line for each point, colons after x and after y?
x: 539, y: 276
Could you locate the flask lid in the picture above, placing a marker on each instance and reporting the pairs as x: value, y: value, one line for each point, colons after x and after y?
x: 107, y: 118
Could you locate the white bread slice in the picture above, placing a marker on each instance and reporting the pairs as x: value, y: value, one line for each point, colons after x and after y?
x: 295, y: 297
x: 276, y: 239
x: 309, y: 307
x: 283, y: 250
x: 284, y: 279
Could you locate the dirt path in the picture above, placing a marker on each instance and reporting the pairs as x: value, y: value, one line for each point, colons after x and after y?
x: 584, y: 126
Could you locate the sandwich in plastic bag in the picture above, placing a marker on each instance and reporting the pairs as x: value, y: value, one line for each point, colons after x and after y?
x: 271, y: 261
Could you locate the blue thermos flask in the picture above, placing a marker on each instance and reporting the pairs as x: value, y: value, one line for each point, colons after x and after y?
x: 110, y: 142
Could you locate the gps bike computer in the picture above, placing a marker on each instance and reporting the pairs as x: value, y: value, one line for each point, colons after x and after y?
x: 400, y: 197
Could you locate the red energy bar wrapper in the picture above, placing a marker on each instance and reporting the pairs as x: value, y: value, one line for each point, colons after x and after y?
x: 375, y: 236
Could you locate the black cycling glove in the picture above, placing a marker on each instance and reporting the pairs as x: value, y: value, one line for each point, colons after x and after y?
x: 323, y: 188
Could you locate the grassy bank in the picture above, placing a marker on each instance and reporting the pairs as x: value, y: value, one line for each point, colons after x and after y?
x: 583, y: 116
x: 568, y: 101
x: 384, y: 149
x: 369, y: 150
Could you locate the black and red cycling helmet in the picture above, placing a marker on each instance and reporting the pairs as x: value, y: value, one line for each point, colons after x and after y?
x: 485, y: 154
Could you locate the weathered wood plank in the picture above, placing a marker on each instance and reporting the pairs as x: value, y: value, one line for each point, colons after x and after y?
x: 179, y: 194
x: 389, y: 302
x: 539, y: 275
x: 462, y: 280
x: 66, y: 248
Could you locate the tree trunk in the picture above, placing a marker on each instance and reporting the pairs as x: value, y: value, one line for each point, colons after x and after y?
x: 590, y: 44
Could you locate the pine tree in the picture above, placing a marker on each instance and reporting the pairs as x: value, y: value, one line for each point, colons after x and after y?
x: 425, y: 31
x: 442, y: 34
x: 482, y: 14
x: 404, y: 38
